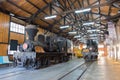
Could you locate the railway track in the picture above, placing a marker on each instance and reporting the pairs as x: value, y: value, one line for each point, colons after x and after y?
x: 73, y: 74
x: 76, y: 73
x: 12, y: 73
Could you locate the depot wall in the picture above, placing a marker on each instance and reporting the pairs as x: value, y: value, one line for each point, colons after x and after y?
x: 6, y: 35
x: 114, y: 48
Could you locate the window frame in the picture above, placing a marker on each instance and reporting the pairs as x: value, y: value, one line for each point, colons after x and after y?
x: 17, y: 28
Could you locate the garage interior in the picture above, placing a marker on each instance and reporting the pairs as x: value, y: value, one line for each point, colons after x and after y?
x: 59, y: 39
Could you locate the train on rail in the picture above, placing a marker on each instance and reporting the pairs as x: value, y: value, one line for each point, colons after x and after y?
x: 90, y: 53
x: 55, y: 50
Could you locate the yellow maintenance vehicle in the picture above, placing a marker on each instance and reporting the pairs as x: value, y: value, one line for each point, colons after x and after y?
x: 77, y: 52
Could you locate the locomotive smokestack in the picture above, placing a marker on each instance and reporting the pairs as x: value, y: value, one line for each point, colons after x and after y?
x: 31, y: 31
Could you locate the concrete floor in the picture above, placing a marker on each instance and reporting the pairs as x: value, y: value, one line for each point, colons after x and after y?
x: 50, y: 73
x: 104, y: 69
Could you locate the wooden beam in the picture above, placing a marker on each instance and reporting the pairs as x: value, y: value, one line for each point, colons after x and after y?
x: 110, y: 7
x: 12, y: 3
x: 82, y: 1
x: 90, y: 6
x: 80, y: 6
x: 51, y: 7
x: 65, y: 9
x: 31, y: 19
x: 62, y: 13
x: 32, y: 4
x: 113, y: 17
x: 72, y: 5
x: 99, y: 14
x: 40, y: 10
x: 88, y: 13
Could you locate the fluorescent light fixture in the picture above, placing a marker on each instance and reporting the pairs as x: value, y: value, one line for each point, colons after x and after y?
x: 79, y: 39
x: 100, y: 46
x: 84, y: 46
x: 84, y: 10
x: 77, y: 36
x: 101, y: 52
x: 11, y: 14
x: 93, y: 38
x: 101, y: 35
x: 93, y: 30
x: 62, y: 27
x: 88, y: 23
x: 50, y: 17
x: 93, y: 35
x: 101, y: 31
x: 73, y: 32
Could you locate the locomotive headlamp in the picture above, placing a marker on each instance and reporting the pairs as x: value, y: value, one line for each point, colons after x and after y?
x: 25, y: 46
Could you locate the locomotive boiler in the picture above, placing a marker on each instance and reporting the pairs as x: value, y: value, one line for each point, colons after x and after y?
x: 54, y: 49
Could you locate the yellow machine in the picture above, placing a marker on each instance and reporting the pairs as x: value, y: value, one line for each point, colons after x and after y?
x: 85, y: 50
x: 77, y: 52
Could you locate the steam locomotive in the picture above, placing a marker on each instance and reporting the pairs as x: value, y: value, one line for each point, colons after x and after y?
x: 55, y: 50
x: 91, y: 51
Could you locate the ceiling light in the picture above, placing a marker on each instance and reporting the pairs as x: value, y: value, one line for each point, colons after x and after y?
x: 77, y: 36
x: 92, y: 35
x: 73, y: 32
x: 88, y: 23
x: 84, y: 10
x: 11, y: 14
x: 62, y: 27
x: 93, y: 38
x: 84, y: 46
x: 93, y: 30
x: 79, y: 39
x: 50, y: 17
x: 101, y: 32
x: 100, y: 46
x: 118, y: 11
x: 101, y: 35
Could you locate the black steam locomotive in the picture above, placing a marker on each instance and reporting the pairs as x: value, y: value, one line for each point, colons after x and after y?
x: 55, y: 50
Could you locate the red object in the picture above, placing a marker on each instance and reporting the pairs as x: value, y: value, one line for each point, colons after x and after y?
x: 25, y: 46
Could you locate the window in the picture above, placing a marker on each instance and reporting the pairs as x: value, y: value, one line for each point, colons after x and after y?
x: 17, y: 28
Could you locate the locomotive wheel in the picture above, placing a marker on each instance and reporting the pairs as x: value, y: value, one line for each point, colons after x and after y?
x: 27, y: 64
x: 96, y: 57
x: 31, y: 63
x: 15, y: 62
x: 37, y: 64
x: 86, y: 58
